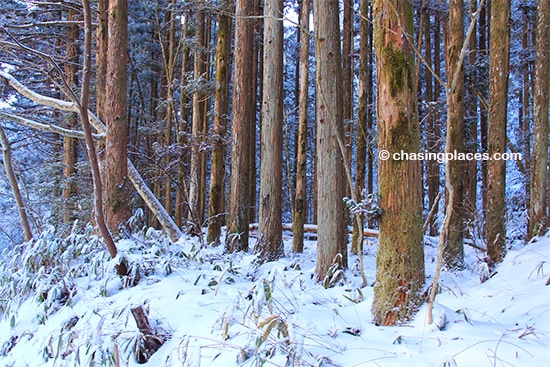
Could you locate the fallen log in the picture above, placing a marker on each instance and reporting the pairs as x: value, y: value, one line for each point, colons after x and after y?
x: 312, y: 228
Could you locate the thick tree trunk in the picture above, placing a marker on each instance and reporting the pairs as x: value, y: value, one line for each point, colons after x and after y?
x: 241, y: 140
x: 538, y: 214
x: 216, y: 210
x: 115, y: 163
x: 454, y: 177
x: 400, y: 259
x: 331, y: 217
x: 270, y: 243
x: 499, y: 47
x: 300, y: 196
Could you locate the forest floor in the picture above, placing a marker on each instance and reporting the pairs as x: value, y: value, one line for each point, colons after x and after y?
x: 215, y: 309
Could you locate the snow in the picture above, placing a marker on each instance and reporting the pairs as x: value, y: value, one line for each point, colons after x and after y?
x: 219, y: 309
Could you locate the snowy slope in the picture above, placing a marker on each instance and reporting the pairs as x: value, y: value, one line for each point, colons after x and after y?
x: 221, y: 310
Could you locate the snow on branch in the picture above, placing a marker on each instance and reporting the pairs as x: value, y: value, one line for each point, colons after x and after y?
x: 46, y: 127
x: 40, y: 99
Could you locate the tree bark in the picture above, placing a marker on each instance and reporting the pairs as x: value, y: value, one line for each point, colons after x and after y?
x: 499, y: 50
x: 400, y: 258
x: 196, y: 172
x: 241, y: 140
x: 115, y: 162
x: 455, y: 169
x: 300, y: 196
x: 90, y: 145
x: 362, y: 122
x: 216, y: 210
x: 270, y: 243
x: 331, y: 217
x: 538, y: 214
x: 70, y: 147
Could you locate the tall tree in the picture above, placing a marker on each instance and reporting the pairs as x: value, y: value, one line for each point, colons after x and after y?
x: 270, y: 243
x: 221, y: 110
x: 538, y: 211
x: 453, y: 227
x: 70, y: 146
x: 400, y: 258
x: 365, y: 88
x: 470, y: 124
x: 347, y: 80
x: 499, y: 51
x: 241, y: 139
x: 199, y: 121
x: 332, y: 232
x: 433, y: 138
x: 115, y: 163
x: 300, y: 203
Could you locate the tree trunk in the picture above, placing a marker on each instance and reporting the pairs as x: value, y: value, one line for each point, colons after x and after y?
x: 196, y: 172
x: 90, y: 145
x: 8, y: 165
x: 70, y: 150
x: 347, y: 81
x: 216, y: 211
x: 270, y: 243
x: 400, y: 259
x: 115, y: 164
x: 433, y: 170
x: 499, y: 47
x: 182, y: 194
x: 169, y: 61
x: 454, y: 173
x: 362, y: 125
x: 471, y: 143
x: 241, y: 139
x: 300, y: 196
x: 331, y: 217
x: 538, y: 215
x: 101, y: 57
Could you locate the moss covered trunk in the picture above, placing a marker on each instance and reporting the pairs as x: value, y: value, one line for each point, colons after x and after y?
x: 400, y: 259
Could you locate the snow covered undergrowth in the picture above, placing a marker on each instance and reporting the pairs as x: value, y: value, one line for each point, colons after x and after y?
x: 216, y: 309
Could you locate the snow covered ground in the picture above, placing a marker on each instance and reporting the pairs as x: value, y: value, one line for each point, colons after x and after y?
x: 221, y: 310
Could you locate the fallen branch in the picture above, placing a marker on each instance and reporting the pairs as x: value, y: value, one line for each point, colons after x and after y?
x: 312, y: 228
